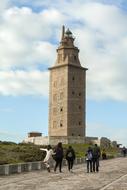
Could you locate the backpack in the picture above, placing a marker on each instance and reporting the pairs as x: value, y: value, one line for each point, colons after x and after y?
x: 70, y: 154
x: 89, y: 156
x: 96, y: 152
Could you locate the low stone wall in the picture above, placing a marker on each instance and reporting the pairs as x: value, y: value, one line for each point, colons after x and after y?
x: 9, y: 169
x: 73, y: 140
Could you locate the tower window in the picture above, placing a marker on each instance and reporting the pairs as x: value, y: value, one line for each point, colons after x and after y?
x: 72, y: 134
x: 75, y: 58
x: 79, y: 107
x: 61, y: 125
x: 73, y: 78
x: 73, y: 92
x: 79, y: 94
x: 61, y: 109
x: 79, y: 122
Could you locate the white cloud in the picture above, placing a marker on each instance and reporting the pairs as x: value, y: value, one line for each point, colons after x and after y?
x: 103, y: 43
x: 4, y: 4
x: 27, y: 41
x: 23, y: 83
x: 24, y: 37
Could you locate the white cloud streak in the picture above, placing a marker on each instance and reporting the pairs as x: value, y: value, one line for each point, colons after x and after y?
x: 24, y: 83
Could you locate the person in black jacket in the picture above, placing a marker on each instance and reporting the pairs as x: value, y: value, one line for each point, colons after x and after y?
x: 70, y: 157
x: 58, y: 156
x: 96, y: 156
x: 124, y: 151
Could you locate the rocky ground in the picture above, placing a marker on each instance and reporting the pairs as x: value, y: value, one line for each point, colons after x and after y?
x: 112, y: 176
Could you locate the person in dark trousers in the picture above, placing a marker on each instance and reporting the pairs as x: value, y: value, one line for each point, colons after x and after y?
x: 58, y: 156
x: 70, y: 157
x: 124, y: 151
x: 96, y: 156
x: 89, y: 158
x: 103, y: 154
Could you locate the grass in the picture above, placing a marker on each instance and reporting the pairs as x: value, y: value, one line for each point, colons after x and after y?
x: 81, y: 149
x: 17, y: 153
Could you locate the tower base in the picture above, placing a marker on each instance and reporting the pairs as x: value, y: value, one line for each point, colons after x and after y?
x: 66, y: 140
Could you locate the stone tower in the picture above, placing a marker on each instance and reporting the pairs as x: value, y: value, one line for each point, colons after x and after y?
x: 67, y: 94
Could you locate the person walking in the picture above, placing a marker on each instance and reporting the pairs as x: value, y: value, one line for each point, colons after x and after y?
x: 58, y: 156
x: 124, y: 151
x: 70, y: 157
x: 48, y: 158
x: 103, y: 154
x: 96, y: 156
x: 89, y: 158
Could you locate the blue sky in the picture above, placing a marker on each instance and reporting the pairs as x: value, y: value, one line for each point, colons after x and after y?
x: 29, y: 35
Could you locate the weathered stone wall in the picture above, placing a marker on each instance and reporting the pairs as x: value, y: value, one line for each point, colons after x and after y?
x: 64, y: 139
x: 92, y: 140
x: 73, y: 140
x: 44, y: 140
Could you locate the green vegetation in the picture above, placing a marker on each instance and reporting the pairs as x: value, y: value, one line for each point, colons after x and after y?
x: 17, y: 153
x: 81, y: 149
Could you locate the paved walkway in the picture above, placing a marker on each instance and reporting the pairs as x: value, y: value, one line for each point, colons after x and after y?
x: 112, y: 176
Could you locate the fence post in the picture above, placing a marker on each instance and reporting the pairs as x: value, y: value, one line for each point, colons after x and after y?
x: 6, y: 169
x: 39, y: 165
x: 19, y: 168
x: 29, y: 167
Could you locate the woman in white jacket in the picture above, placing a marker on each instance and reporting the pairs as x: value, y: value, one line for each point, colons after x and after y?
x: 48, y: 158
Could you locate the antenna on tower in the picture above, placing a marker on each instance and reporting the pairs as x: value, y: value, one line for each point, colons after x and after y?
x: 63, y: 32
